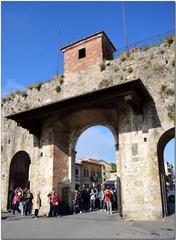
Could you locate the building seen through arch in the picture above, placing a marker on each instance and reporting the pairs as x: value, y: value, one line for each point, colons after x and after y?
x: 98, y: 143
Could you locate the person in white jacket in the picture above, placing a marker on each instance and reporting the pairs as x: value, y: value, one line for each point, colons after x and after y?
x: 92, y: 199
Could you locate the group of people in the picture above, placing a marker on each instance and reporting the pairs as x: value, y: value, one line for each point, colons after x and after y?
x: 23, y: 201
x: 92, y: 199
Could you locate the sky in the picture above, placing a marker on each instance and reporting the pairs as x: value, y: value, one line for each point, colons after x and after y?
x: 97, y: 142
x: 101, y: 144
x: 32, y: 33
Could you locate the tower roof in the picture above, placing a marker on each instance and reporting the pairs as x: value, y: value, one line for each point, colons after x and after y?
x: 88, y: 37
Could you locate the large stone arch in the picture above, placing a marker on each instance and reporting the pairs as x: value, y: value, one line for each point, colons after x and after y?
x: 75, y: 136
x: 71, y: 128
x: 164, y: 139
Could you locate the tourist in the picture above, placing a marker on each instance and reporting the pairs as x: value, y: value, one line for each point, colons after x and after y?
x: 87, y: 200
x: 97, y: 202
x: 21, y: 203
x: 101, y: 199
x: 108, y: 197
x: 92, y: 199
x: 28, y: 202
x: 76, y: 202
x: 54, y: 204
x: 49, y: 204
x: 83, y: 202
x: 114, y: 204
x: 11, y: 195
x: 15, y: 202
x: 36, y: 204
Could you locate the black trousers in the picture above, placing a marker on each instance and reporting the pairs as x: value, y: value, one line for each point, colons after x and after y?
x: 28, y: 207
x: 36, y: 212
x: 16, y: 207
x: 54, y: 211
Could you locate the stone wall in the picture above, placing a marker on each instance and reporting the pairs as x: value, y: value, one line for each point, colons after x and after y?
x: 138, y: 135
x: 155, y: 67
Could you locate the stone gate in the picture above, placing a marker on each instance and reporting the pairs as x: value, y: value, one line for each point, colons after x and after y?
x: 132, y: 95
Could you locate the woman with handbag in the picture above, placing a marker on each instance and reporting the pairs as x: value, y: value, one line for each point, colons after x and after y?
x: 36, y: 204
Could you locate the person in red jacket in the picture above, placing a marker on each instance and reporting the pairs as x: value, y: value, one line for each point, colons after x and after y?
x: 54, y: 204
x: 108, y: 197
x: 15, y: 202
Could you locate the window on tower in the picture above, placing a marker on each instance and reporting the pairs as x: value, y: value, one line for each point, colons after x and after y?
x: 82, y: 53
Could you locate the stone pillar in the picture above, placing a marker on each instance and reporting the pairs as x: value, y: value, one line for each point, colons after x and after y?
x: 41, y: 176
x: 140, y: 187
x: 62, y: 170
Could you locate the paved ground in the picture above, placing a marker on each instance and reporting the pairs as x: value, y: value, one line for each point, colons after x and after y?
x: 89, y: 225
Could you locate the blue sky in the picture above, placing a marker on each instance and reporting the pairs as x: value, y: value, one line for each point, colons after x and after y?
x: 101, y: 144
x: 98, y: 142
x: 30, y: 33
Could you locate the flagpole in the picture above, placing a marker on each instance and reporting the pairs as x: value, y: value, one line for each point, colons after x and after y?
x: 125, y: 28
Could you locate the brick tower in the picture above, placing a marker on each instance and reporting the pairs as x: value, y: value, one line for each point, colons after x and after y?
x: 88, y: 51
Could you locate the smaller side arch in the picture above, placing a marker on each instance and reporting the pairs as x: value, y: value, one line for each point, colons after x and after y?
x: 19, y: 170
x: 164, y: 139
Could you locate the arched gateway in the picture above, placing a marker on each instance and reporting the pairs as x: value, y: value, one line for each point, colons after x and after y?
x: 126, y: 107
x: 19, y: 170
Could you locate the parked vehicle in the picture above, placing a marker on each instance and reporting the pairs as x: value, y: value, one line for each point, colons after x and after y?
x: 171, y: 195
x: 109, y: 184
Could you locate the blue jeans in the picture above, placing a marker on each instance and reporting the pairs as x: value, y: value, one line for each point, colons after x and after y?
x: 21, y: 207
x: 92, y: 203
x: 101, y: 203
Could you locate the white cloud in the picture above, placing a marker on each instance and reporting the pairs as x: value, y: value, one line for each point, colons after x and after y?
x: 11, y: 85
x: 96, y: 142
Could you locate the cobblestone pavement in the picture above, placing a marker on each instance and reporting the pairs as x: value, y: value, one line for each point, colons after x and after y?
x: 90, y: 225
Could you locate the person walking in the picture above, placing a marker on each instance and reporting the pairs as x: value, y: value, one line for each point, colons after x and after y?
x: 36, y: 204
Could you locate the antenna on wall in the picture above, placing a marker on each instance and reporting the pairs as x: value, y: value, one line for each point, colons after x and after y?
x: 57, y: 67
x: 125, y: 28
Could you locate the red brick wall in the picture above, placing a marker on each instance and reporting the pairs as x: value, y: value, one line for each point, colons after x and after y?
x: 107, y: 50
x: 94, y: 55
